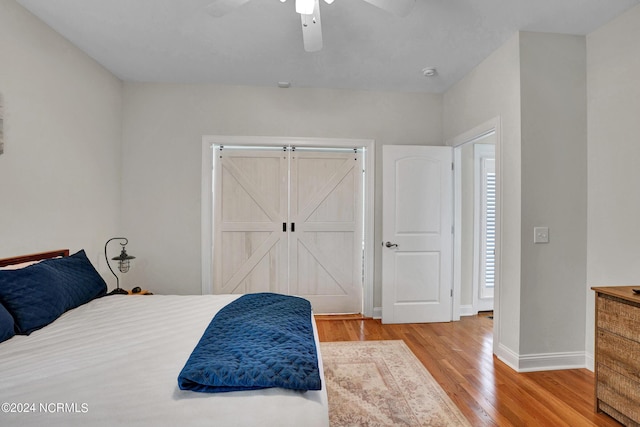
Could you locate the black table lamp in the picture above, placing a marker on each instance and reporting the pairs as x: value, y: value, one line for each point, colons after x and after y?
x: 123, y: 262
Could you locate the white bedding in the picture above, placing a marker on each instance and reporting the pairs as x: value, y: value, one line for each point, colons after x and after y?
x: 115, y: 361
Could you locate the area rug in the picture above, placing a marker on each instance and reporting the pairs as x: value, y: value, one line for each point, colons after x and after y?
x: 382, y: 383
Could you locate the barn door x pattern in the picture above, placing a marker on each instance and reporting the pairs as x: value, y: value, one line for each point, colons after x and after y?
x: 290, y: 221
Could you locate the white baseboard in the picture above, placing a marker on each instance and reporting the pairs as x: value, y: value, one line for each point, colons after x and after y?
x: 507, y: 356
x: 467, y: 310
x: 552, y: 361
x: 542, y: 362
x: 590, y: 361
x: 377, y: 312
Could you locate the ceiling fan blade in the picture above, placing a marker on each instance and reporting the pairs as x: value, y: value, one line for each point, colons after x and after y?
x: 312, y: 30
x: 397, y: 7
x: 221, y: 7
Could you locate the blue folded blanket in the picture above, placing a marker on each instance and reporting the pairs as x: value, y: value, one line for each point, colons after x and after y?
x: 258, y: 341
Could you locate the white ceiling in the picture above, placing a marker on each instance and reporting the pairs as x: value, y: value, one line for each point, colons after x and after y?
x: 260, y: 43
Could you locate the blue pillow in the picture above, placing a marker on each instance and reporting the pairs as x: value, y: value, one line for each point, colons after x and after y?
x: 7, y: 325
x: 38, y: 294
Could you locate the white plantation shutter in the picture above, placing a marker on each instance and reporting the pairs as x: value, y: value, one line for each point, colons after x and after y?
x: 489, y: 222
x: 484, y: 261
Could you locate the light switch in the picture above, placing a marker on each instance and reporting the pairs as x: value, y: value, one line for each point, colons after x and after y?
x: 540, y: 234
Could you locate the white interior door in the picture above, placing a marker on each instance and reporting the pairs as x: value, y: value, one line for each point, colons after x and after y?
x: 417, y: 233
x: 290, y: 221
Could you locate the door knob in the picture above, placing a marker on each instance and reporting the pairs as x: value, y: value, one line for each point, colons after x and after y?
x: 391, y: 245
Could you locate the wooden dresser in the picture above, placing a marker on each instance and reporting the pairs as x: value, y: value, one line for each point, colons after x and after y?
x: 617, y: 353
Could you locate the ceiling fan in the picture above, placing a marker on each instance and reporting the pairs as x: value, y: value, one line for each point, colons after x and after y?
x: 309, y: 11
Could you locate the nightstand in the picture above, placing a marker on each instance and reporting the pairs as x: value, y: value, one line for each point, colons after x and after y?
x: 140, y: 292
x: 134, y: 291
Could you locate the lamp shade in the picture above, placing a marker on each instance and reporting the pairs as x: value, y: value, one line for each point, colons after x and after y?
x: 123, y: 260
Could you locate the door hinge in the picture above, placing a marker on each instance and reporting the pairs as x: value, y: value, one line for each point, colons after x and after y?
x: 451, y: 293
x: 452, y: 166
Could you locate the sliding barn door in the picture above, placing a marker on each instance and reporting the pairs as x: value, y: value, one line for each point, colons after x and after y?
x: 290, y: 222
x: 325, y: 245
x: 250, y: 206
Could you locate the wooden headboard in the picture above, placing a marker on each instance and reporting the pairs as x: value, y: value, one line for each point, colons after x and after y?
x: 34, y: 257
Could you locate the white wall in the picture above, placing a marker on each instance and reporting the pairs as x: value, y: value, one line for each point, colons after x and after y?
x: 492, y: 90
x: 554, y: 193
x: 60, y: 171
x: 163, y: 129
x: 613, y: 67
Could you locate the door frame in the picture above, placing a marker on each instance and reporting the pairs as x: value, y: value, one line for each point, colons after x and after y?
x: 206, y: 214
x: 492, y: 125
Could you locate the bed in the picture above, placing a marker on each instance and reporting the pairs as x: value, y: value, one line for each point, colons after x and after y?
x: 115, y: 360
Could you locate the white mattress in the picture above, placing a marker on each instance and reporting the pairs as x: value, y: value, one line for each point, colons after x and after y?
x: 115, y: 361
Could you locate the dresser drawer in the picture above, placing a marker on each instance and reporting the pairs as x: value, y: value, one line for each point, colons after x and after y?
x: 619, y: 354
x: 623, y: 419
x: 619, y: 318
x: 619, y: 392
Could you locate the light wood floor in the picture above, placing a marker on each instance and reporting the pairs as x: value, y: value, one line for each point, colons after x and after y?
x: 489, y: 393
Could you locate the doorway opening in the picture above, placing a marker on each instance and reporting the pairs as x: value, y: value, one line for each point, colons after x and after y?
x: 477, y: 222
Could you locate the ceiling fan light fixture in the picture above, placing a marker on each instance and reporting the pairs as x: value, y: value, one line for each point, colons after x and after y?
x: 328, y: 1
x: 305, y: 7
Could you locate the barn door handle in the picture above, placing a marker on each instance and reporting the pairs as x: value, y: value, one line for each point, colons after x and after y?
x: 391, y: 245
